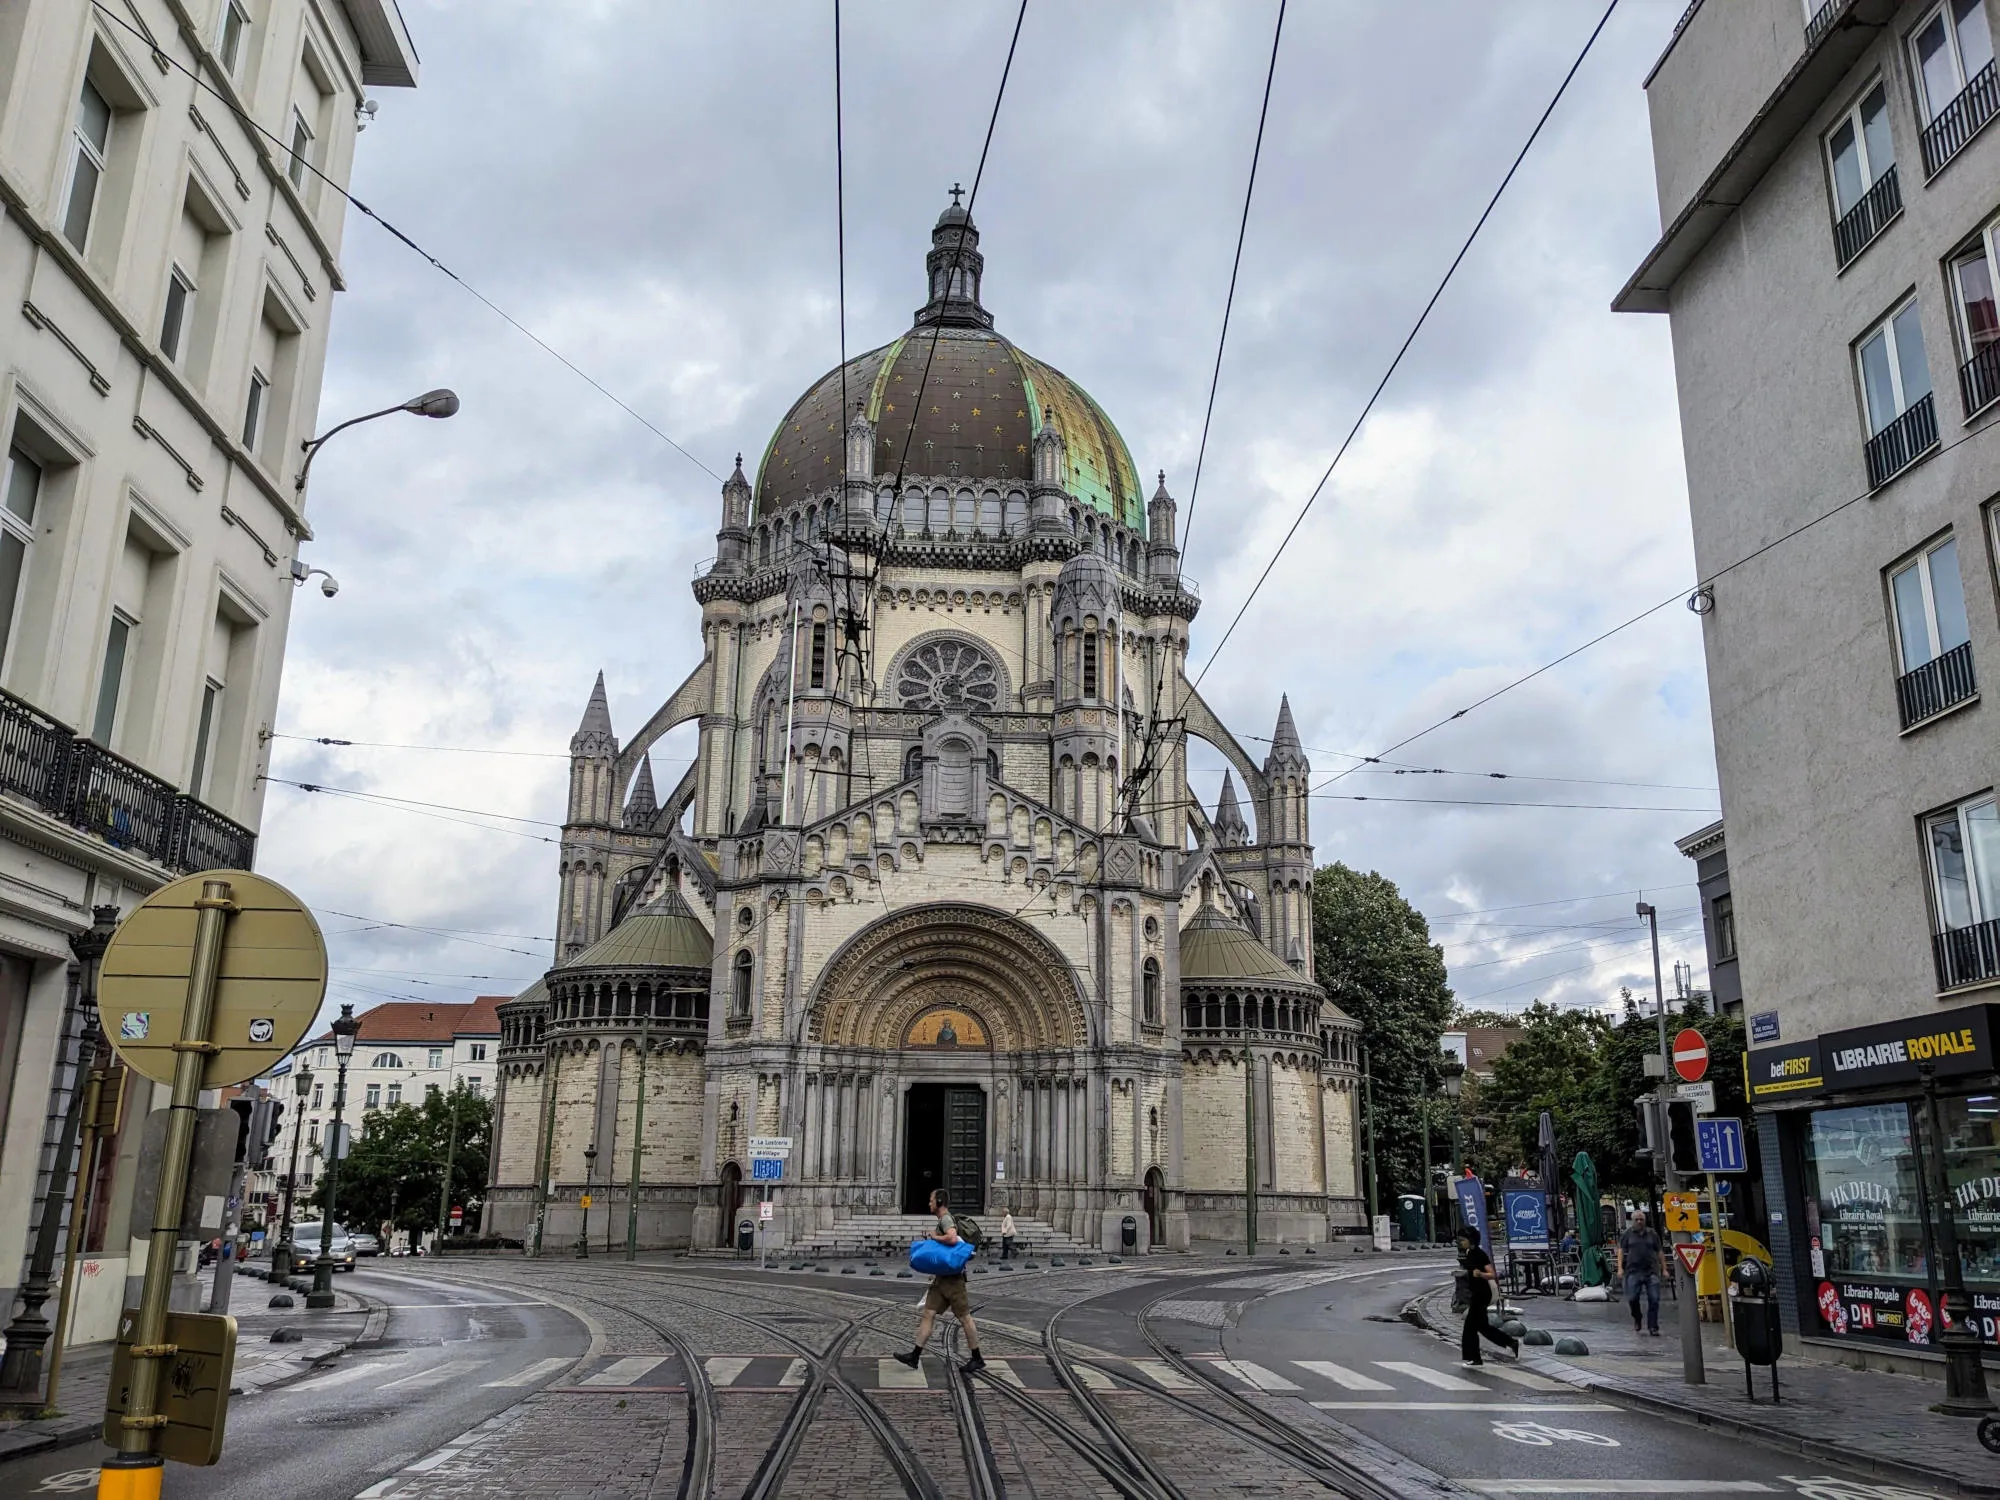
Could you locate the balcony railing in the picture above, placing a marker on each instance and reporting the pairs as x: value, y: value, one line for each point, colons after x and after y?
x: 88, y: 787
x: 1902, y: 442
x: 1822, y: 22
x: 1979, y: 380
x: 1959, y: 121
x: 1939, y: 684
x: 1871, y: 213
x: 1966, y: 955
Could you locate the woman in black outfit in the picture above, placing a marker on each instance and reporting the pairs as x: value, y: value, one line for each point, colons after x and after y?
x: 1479, y: 1297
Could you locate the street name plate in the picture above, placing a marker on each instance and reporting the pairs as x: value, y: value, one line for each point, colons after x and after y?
x: 194, y: 1384
x: 770, y: 1148
x: 268, y: 988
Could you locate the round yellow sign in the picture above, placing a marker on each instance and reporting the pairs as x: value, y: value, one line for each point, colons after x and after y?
x: 268, y: 989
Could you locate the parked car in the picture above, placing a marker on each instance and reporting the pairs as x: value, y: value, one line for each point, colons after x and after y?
x: 306, y: 1243
x: 366, y: 1244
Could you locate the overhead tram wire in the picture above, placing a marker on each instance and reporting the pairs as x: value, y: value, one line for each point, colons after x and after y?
x: 1416, y: 328
x: 1235, y: 266
x: 1481, y: 911
x: 1404, y: 768
x: 958, y: 249
x: 161, y: 55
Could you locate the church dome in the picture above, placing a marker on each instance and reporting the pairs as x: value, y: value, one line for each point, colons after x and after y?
x: 983, y: 404
x: 662, y: 935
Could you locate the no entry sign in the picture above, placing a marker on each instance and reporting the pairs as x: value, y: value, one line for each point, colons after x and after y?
x: 1690, y: 1055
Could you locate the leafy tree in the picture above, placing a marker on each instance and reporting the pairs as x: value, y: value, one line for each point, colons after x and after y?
x: 1462, y: 1019
x: 1373, y: 952
x: 396, y: 1163
x: 1557, y: 1065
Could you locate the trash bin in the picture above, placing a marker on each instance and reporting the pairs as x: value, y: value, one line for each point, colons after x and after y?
x: 1753, y: 1301
x: 1410, y: 1218
x: 1128, y: 1234
x: 746, y: 1235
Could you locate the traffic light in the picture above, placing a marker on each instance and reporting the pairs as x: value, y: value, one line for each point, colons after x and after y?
x: 265, y: 1121
x: 243, y: 1108
x: 1680, y: 1130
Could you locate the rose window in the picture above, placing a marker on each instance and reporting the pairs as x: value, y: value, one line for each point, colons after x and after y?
x: 949, y: 674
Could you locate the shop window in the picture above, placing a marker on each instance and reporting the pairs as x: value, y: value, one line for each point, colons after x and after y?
x: 1972, y: 1172
x: 1863, y: 1216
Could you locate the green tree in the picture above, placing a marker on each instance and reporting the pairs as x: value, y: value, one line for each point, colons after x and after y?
x: 1558, y: 1066
x: 396, y: 1163
x: 1373, y: 952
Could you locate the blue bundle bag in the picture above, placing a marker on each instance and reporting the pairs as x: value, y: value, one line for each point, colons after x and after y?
x: 935, y: 1258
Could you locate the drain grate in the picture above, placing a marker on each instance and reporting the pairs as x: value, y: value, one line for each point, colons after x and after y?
x: 352, y: 1417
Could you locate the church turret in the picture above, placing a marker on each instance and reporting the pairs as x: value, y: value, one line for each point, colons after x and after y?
x: 1231, y: 832
x: 1048, y: 500
x: 1163, y: 554
x: 859, y: 461
x: 732, y: 542
x: 587, y: 831
x: 954, y: 267
x: 1287, y: 839
x: 644, y: 803
x: 1286, y: 820
x: 1087, y: 640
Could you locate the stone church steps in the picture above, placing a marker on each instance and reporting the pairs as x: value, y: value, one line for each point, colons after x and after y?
x: 889, y: 1236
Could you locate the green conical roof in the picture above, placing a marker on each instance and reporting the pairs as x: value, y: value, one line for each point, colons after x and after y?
x: 664, y: 934
x: 1215, y: 950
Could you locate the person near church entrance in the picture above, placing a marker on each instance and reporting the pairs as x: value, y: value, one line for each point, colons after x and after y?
x: 1480, y: 1281
x: 946, y: 1294
x: 1639, y: 1264
x: 1007, y: 1236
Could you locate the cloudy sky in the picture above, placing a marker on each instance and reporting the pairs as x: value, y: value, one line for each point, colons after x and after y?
x: 650, y: 189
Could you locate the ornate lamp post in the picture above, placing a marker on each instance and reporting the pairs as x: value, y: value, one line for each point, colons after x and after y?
x: 345, y: 1029
x: 1453, y: 1073
x: 589, y: 1173
x: 281, y: 1256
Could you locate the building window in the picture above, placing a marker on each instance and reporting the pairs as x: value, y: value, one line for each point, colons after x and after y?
x: 431, y: 1091
x: 1896, y: 393
x: 1723, y: 913
x: 319, y: 1096
x: 179, y: 313
x: 204, y: 727
x: 229, y: 39
x: 395, y: 1094
x: 1932, y: 638
x: 312, y: 1136
x: 23, y: 491
x: 1090, y: 665
x: 386, y: 1060
x: 1963, y: 844
x: 374, y: 1096
x: 301, y: 149
x: 818, y: 676
x: 478, y: 1052
x: 111, y: 681
x: 1952, y: 54
x: 253, y: 410
x: 739, y: 991
x: 1150, y: 982
x: 1978, y: 324
x: 90, y: 141
x: 473, y: 1085
x: 1861, y: 164
x: 436, y: 1057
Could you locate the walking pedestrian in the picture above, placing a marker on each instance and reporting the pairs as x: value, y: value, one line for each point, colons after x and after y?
x: 1480, y: 1281
x: 1639, y: 1264
x: 946, y: 1294
x: 1007, y: 1235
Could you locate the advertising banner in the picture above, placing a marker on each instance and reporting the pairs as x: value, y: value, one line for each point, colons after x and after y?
x: 1470, y: 1195
x: 1526, y: 1212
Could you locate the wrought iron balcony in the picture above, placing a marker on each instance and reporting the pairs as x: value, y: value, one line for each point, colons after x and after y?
x: 1822, y: 22
x: 1959, y: 121
x: 1979, y: 380
x: 1902, y: 442
x: 88, y: 787
x: 1940, y: 683
x: 1871, y: 213
x: 1967, y: 955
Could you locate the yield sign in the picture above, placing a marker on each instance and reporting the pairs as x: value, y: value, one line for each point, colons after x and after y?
x: 1690, y: 1054
x: 1690, y: 1256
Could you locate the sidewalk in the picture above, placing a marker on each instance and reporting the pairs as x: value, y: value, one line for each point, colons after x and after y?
x: 260, y: 1364
x: 1879, y: 1423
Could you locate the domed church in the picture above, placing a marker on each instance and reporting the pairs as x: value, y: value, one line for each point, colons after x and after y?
x: 933, y: 900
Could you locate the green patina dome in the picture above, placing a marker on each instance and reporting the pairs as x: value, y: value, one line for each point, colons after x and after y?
x: 982, y: 405
x: 1215, y: 950
x: 664, y: 934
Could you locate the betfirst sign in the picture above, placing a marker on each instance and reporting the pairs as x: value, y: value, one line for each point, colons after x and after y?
x: 1955, y: 1043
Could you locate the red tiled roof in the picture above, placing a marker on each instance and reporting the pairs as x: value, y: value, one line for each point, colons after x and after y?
x: 482, y: 1017
x: 406, y: 1021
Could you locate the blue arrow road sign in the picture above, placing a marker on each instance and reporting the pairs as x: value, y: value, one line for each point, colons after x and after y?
x: 766, y: 1169
x: 1719, y: 1143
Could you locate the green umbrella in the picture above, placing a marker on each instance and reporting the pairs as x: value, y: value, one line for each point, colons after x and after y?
x: 1589, y: 1222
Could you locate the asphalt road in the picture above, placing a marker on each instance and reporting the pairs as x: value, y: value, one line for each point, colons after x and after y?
x: 450, y: 1357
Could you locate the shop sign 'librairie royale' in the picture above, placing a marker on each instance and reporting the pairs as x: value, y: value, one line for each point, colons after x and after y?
x: 1958, y: 1042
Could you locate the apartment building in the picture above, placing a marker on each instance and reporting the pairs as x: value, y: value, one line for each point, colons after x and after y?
x: 170, y: 231
x: 1829, y: 188
x: 404, y: 1051
x: 1709, y: 850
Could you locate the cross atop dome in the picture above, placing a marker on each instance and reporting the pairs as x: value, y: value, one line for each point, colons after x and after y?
x: 957, y: 192
x: 953, y: 268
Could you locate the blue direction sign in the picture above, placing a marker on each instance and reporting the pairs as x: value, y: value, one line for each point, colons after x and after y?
x: 766, y: 1169
x: 1719, y: 1144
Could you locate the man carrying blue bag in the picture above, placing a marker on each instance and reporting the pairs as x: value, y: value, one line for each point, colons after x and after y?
x: 944, y: 1256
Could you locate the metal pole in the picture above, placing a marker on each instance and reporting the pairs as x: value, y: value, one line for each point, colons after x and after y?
x: 638, y: 1137
x: 548, y: 1145
x: 1721, y: 1269
x: 92, y: 1105
x: 1374, y: 1146
x: 444, y: 1187
x: 1430, y: 1222
x: 1685, y: 1294
x: 225, y: 1257
x: 321, y: 1294
x: 1964, y: 1377
x: 149, y: 1346
x: 1249, y: 1153
x: 284, y: 1246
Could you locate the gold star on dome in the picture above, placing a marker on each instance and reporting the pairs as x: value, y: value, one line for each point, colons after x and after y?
x: 1020, y: 413
x: 899, y: 379
x: 996, y: 427
x: 933, y: 411
x: 1020, y: 447
x: 975, y: 411
x: 890, y: 408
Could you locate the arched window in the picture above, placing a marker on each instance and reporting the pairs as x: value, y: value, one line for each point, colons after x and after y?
x: 386, y: 1060
x: 913, y: 761
x: 1090, y: 665
x: 818, y: 674
x: 1150, y: 985
x: 1191, y: 1013
x: 992, y: 765
x: 739, y: 992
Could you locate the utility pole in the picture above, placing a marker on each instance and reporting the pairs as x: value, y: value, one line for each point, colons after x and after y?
x: 1685, y: 1293
x: 1249, y: 1153
x: 638, y: 1137
x: 1374, y: 1146
x: 548, y: 1145
x: 450, y: 1161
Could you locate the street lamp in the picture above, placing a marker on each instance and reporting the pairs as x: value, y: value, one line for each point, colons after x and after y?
x: 438, y: 403
x: 345, y: 1029
x: 1454, y: 1085
x: 589, y: 1173
x: 281, y: 1257
x: 444, y: 1188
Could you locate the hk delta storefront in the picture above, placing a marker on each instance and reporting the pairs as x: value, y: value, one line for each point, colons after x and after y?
x: 1847, y: 1116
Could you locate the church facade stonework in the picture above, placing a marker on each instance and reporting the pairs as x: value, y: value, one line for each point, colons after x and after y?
x: 933, y: 900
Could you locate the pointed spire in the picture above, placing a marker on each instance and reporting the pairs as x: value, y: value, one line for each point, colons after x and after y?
x: 1161, y: 492
x: 644, y: 801
x: 1231, y: 832
x: 594, y: 736
x: 1287, y: 736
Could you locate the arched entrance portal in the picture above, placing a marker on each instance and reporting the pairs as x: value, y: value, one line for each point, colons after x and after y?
x: 1156, y: 1206
x: 731, y: 1197
x: 938, y: 1002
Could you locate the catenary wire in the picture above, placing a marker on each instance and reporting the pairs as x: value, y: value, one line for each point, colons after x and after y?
x: 1235, y: 266
x: 1405, y: 768
x: 1480, y: 911
x: 1415, y: 329
x: 958, y: 249
x: 476, y: 812
x: 160, y: 54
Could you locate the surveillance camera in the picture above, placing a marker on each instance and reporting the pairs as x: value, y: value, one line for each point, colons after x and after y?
x: 329, y: 586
